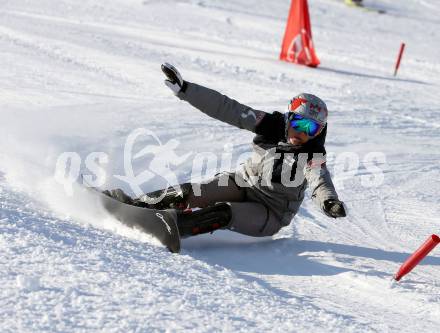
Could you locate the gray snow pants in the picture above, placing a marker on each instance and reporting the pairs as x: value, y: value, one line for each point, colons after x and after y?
x: 249, y: 216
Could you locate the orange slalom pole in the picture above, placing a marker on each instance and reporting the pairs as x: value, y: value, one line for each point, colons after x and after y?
x: 417, y: 256
x: 399, y: 58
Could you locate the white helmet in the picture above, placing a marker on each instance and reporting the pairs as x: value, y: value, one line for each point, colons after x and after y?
x: 309, y: 106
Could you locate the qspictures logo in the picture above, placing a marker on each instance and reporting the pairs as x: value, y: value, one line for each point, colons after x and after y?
x: 164, y: 160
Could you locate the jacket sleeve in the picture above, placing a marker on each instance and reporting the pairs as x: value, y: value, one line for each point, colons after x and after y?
x: 320, y: 182
x: 221, y: 107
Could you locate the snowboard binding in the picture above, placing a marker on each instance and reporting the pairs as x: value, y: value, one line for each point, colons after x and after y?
x: 204, y: 220
x: 172, y: 199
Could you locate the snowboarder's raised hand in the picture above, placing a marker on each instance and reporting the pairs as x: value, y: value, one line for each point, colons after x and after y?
x: 174, y: 80
x: 334, y: 208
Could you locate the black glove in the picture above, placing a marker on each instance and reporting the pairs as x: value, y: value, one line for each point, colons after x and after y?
x: 334, y: 208
x: 174, y: 80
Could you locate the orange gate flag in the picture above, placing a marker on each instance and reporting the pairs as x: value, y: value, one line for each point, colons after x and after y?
x: 297, y: 43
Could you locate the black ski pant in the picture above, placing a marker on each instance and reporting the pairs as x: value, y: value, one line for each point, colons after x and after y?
x: 249, y: 216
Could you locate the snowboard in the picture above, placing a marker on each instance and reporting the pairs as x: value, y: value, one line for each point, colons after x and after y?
x: 161, y: 224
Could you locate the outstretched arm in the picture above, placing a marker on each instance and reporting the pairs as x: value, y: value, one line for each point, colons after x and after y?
x: 213, y: 103
x: 221, y: 107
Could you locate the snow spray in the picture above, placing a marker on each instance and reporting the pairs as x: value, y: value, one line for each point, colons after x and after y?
x: 399, y: 57
x: 417, y: 256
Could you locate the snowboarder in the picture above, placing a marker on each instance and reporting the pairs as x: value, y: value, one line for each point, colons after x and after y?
x: 260, y: 198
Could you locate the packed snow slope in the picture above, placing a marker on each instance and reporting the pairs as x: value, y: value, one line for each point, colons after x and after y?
x: 80, y: 76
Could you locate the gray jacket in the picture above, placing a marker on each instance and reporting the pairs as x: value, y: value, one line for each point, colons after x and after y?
x: 278, y: 173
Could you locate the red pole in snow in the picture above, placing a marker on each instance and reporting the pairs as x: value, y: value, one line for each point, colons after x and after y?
x: 402, y: 47
x: 417, y: 256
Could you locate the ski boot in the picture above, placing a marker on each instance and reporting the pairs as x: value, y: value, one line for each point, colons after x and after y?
x: 204, y: 220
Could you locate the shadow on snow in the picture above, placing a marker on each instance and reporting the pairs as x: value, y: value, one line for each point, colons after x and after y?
x: 286, y: 256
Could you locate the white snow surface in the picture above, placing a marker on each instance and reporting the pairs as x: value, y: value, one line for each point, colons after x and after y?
x: 79, y: 76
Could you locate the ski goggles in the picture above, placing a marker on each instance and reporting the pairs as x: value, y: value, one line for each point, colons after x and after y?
x: 309, y: 126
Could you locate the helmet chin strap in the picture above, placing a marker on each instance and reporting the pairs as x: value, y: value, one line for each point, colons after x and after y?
x: 286, y: 122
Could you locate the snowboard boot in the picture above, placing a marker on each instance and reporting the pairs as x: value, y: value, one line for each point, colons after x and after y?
x: 119, y: 195
x: 208, y: 219
x: 171, y: 199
